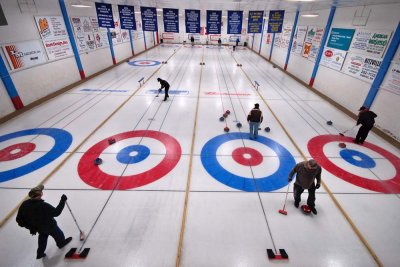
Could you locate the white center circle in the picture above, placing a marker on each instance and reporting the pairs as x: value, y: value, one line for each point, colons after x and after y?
x: 15, y: 151
x: 133, y: 153
x: 247, y: 156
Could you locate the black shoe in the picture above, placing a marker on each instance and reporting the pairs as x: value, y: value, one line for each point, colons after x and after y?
x: 355, y: 141
x: 39, y: 256
x: 296, y: 204
x: 66, y: 241
x: 313, y: 210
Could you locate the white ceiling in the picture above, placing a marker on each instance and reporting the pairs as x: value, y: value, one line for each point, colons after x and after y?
x: 245, y: 5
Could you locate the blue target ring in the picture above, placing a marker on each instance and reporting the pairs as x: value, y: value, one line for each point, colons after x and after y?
x: 62, y: 139
x: 144, y: 63
x: 268, y: 183
x: 124, y: 156
x: 357, y: 158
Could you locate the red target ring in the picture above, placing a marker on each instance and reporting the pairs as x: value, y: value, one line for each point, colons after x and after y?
x: 92, y: 175
x: 316, y: 145
x: 247, y: 156
x: 16, y: 151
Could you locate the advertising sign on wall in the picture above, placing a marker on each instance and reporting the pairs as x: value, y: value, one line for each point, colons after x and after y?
x: 57, y: 49
x: 192, y: 21
x: 84, y: 37
x: 298, y: 39
x: 171, y: 20
x: 104, y: 15
x: 333, y: 58
x: 235, y: 19
x: 100, y: 34
x: 275, y: 21
x: 371, y: 43
x: 127, y: 17
x: 313, y: 39
x: 392, y: 79
x: 214, y: 21
x: 255, y: 21
x: 340, y: 38
x: 362, y: 67
x: 24, y: 54
x: 149, y: 19
x: 51, y: 27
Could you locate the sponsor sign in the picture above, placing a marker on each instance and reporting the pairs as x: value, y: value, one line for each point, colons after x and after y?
x: 51, y: 27
x: 333, y: 58
x: 392, y: 79
x: 57, y: 49
x: 340, y: 38
x: 371, y: 43
x: 24, y: 54
x: 362, y: 67
x: 298, y: 39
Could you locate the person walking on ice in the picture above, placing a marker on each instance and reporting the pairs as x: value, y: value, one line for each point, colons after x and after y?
x: 306, y: 172
x: 367, y: 120
x: 164, y: 84
x: 38, y: 217
x: 254, y: 119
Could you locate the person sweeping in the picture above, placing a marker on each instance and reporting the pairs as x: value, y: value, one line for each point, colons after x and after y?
x: 306, y: 173
x: 38, y: 217
x: 164, y: 84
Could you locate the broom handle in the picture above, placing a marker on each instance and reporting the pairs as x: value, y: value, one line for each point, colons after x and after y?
x: 349, y: 129
x: 287, y: 192
x: 73, y: 217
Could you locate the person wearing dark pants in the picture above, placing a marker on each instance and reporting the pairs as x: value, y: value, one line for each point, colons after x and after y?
x: 254, y: 119
x: 306, y: 173
x: 38, y: 217
x: 165, y: 85
x: 367, y: 120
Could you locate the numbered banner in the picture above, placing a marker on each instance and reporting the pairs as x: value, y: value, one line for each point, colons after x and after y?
x: 255, y: 21
x: 171, y: 20
x: 214, y: 21
x: 149, y: 19
x: 275, y: 21
x: 235, y: 19
x: 51, y: 27
x: 127, y: 17
x: 105, y: 15
x: 340, y: 38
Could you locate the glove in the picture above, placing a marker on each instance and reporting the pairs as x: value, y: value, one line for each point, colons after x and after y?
x: 317, y: 186
x: 64, y: 198
x: 32, y: 231
x: 290, y: 179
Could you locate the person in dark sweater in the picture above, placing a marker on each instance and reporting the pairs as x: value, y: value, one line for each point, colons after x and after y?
x: 192, y: 40
x: 254, y: 118
x: 164, y: 84
x: 306, y: 173
x: 367, y: 120
x: 38, y: 217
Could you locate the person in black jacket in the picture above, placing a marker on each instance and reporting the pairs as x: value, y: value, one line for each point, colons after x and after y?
x: 254, y: 118
x: 165, y: 85
x: 38, y: 217
x: 192, y: 40
x: 367, y: 120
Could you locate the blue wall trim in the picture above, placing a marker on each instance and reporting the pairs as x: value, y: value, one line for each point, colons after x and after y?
x: 7, y: 81
x: 291, y: 38
x: 262, y: 33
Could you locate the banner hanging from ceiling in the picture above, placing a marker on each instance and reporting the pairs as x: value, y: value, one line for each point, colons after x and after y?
x: 171, y: 20
x: 149, y: 19
x: 235, y: 19
x: 255, y: 21
x: 192, y: 21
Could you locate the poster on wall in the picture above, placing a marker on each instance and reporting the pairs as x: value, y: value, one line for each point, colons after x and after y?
x: 298, y: 39
x: 314, y: 38
x: 56, y: 49
x: 214, y: 21
x: 51, y: 27
x: 255, y: 21
x: 306, y: 50
x: 362, y: 67
x: 333, y: 58
x: 116, y: 34
x: 127, y: 17
x: 171, y: 20
x: 24, y: 54
x: 235, y: 19
x: 100, y: 34
x: 392, y: 79
x: 371, y: 43
x: 149, y: 19
x: 275, y: 21
x: 84, y: 37
x: 340, y: 38
x: 192, y: 21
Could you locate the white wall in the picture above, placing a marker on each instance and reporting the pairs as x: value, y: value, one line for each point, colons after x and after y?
x: 39, y: 81
x: 346, y: 90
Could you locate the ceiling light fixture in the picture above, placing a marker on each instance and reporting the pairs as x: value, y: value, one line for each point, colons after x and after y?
x: 310, y: 15
x: 79, y: 5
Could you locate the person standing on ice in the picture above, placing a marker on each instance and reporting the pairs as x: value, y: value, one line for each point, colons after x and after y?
x: 306, y: 172
x: 164, y: 84
x: 367, y: 120
x: 254, y: 119
x: 38, y: 217
x: 192, y: 40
